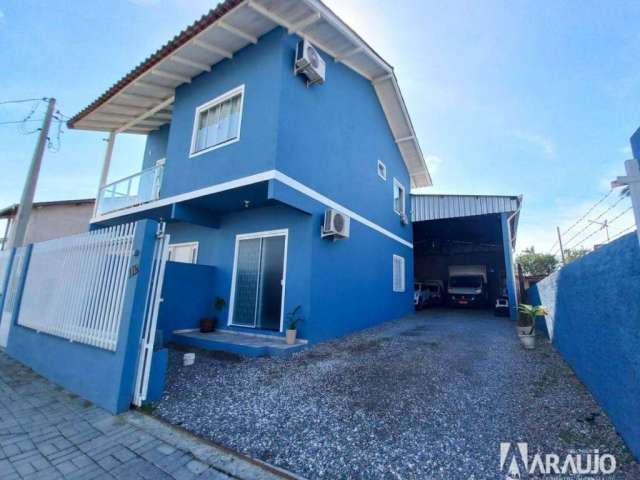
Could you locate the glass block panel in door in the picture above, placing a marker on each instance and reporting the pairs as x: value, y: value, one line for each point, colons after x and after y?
x: 247, y: 280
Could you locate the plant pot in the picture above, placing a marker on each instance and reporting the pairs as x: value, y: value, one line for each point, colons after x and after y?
x: 208, y: 325
x: 523, y: 330
x: 528, y: 341
x: 291, y: 336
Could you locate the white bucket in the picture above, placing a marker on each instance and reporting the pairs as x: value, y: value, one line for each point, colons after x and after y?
x: 188, y: 359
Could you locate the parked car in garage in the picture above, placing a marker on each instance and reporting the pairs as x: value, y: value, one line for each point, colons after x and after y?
x: 467, y: 286
x: 428, y: 293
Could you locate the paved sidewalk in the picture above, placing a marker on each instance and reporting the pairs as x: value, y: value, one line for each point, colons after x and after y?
x: 47, y: 433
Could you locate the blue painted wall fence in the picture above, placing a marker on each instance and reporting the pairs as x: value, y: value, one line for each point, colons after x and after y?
x: 106, y: 378
x: 594, y: 320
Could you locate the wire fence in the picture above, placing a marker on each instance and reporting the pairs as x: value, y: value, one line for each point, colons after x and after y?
x: 606, y: 220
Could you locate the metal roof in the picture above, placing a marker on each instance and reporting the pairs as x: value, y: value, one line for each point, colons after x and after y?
x: 438, y: 207
x: 142, y: 101
x: 11, y: 210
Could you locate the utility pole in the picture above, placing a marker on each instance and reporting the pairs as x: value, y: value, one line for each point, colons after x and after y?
x: 16, y: 238
x: 560, y: 243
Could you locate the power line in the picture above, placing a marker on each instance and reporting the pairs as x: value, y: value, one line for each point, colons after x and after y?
x: 593, y: 207
x: 23, y: 100
x: 584, y: 229
x: 617, y: 217
x: 16, y: 122
x: 623, y: 231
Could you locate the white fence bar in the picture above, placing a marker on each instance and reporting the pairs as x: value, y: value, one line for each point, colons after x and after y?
x: 74, y: 286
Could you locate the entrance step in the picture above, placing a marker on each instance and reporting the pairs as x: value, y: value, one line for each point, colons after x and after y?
x: 250, y: 344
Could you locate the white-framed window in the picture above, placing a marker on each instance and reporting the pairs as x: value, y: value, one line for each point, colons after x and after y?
x: 382, y: 170
x: 183, y: 252
x: 399, y: 283
x: 398, y: 197
x: 217, y: 122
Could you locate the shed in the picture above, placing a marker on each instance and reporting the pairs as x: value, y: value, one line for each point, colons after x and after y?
x: 467, y: 230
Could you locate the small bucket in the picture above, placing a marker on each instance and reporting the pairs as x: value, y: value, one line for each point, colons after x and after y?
x: 188, y: 359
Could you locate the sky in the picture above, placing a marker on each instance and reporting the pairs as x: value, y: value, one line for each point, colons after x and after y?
x: 535, y: 98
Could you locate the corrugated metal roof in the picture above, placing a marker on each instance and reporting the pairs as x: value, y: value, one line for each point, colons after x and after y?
x: 438, y: 207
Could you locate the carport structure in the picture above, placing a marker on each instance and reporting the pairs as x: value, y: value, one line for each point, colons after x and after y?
x: 467, y: 230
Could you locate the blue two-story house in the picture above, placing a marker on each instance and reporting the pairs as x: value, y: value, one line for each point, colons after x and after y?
x: 285, y: 174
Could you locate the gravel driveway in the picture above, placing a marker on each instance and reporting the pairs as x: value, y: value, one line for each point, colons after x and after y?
x: 428, y: 396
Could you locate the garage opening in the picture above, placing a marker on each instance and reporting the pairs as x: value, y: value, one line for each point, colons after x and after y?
x: 463, y: 251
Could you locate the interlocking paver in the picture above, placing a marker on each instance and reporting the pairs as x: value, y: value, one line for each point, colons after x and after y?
x: 49, y: 434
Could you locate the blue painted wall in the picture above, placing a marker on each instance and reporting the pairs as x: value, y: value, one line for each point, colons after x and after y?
x: 258, y: 68
x: 331, y: 137
x: 156, y: 146
x: 594, y: 320
x: 328, y: 137
x: 104, y: 377
x: 188, y: 293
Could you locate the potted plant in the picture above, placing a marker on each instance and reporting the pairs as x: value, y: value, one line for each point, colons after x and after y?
x: 209, y: 324
x: 527, y: 323
x: 293, y: 319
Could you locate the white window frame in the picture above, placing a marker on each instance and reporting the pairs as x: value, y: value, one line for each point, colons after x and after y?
x: 382, y: 172
x: 400, y: 186
x: 187, y: 244
x: 232, y: 294
x: 402, y: 274
x: 207, y: 106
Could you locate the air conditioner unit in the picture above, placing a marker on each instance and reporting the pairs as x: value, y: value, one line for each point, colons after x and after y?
x: 309, y: 62
x: 336, y: 224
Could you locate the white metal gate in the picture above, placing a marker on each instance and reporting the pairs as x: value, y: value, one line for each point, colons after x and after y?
x: 152, y: 307
x: 74, y: 286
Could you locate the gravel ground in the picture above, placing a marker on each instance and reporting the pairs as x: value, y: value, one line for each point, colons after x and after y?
x: 428, y: 396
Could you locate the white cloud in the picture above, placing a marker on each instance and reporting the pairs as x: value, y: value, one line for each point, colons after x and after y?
x: 625, y: 150
x: 541, y: 142
x: 433, y: 163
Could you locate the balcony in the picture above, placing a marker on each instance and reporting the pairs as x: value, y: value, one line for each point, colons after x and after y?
x: 137, y: 189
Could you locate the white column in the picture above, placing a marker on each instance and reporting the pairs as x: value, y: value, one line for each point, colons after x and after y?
x: 633, y: 180
x: 105, y: 167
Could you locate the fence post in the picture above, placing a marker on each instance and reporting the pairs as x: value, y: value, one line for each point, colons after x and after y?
x: 507, y: 247
x: 4, y: 279
x: 22, y: 277
x: 135, y: 294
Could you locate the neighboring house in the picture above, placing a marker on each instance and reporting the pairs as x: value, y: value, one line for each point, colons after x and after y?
x: 244, y: 157
x: 50, y: 220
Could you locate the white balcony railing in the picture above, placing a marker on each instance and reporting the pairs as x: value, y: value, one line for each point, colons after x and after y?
x: 136, y: 189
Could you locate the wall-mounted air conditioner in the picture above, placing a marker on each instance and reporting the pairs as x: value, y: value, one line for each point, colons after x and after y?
x: 310, y: 63
x: 336, y: 224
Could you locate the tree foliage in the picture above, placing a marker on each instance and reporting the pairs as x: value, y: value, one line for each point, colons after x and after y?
x: 571, y: 254
x: 534, y: 263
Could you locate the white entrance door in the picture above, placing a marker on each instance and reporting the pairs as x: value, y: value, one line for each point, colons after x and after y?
x: 259, y: 271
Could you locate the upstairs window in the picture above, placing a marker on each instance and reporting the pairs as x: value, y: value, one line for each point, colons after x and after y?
x: 398, y: 197
x: 398, y: 274
x: 382, y: 170
x: 217, y: 122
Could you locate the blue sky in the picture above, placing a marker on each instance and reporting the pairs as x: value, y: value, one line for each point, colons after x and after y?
x: 508, y: 97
